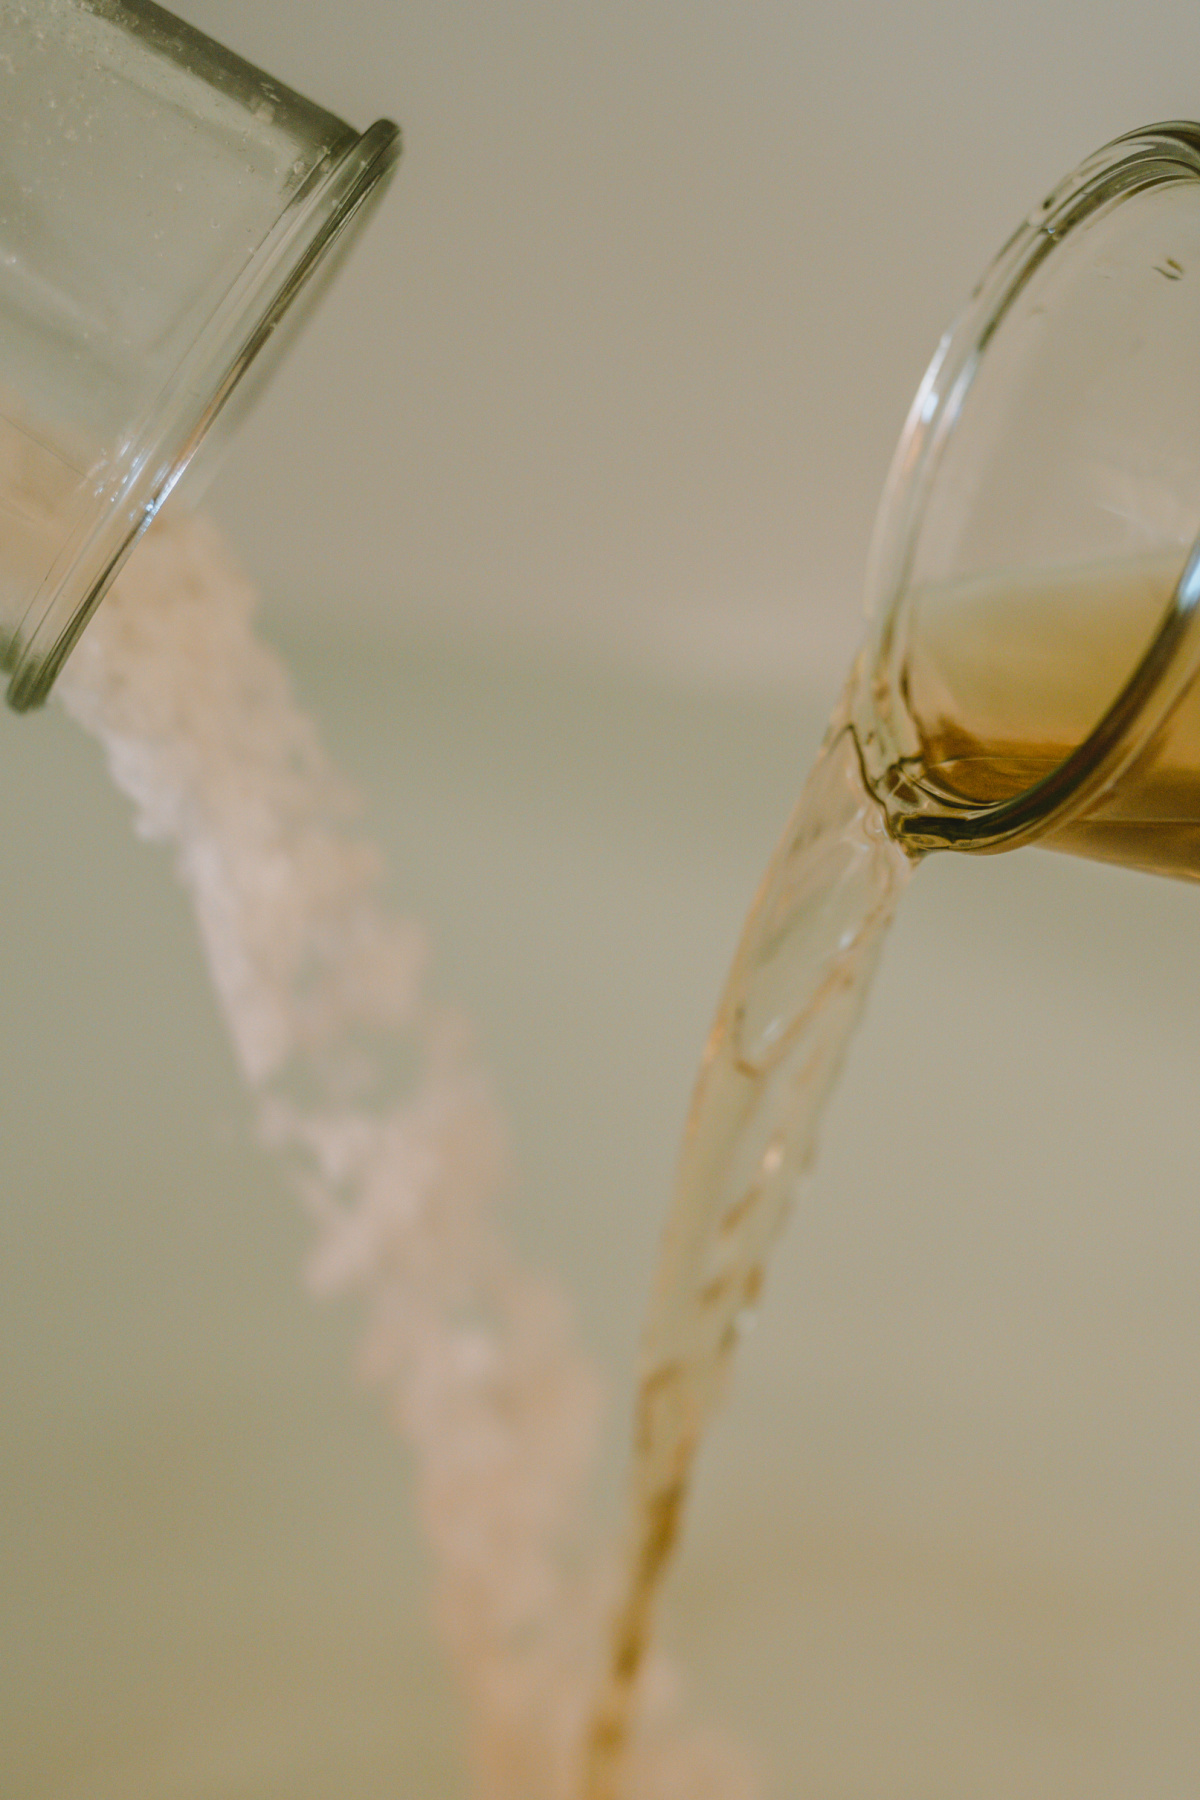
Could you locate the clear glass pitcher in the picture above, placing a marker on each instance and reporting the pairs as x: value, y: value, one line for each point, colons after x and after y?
x: 1035, y: 575
x: 162, y: 206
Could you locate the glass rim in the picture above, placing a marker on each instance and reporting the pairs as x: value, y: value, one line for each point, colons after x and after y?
x: 921, y: 815
x: 166, y: 441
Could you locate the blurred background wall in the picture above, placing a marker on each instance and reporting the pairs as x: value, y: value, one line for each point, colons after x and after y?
x: 560, y: 511
x: 621, y: 365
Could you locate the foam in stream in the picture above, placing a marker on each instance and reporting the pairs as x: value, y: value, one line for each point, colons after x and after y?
x: 477, y: 1355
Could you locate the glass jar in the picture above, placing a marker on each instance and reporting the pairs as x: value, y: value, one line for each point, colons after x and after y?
x: 1035, y: 573
x: 162, y: 206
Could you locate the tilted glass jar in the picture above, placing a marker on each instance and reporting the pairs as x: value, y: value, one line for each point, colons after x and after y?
x: 1035, y: 575
x: 162, y: 207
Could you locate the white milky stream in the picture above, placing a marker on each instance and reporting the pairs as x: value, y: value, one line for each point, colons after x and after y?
x: 476, y: 1355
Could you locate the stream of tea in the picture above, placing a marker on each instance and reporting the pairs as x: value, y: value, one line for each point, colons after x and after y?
x: 791, y: 1003
x: 477, y: 1355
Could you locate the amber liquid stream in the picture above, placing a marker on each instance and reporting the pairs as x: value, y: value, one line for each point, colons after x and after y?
x: 791, y: 1003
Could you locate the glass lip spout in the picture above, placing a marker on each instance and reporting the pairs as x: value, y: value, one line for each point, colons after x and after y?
x: 921, y: 814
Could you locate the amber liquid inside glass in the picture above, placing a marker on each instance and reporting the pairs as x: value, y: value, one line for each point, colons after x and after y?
x: 1007, y: 675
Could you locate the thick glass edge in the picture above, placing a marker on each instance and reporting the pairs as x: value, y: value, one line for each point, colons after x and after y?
x: 919, y: 815
x: 244, y: 323
x: 183, y: 44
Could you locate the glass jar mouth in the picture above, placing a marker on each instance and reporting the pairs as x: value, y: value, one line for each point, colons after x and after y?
x: 925, y: 815
x: 925, y: 812
x: 158, y: 449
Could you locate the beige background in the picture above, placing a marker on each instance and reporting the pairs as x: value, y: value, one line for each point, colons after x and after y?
x: 560, y: 510
x: 625, y: 357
